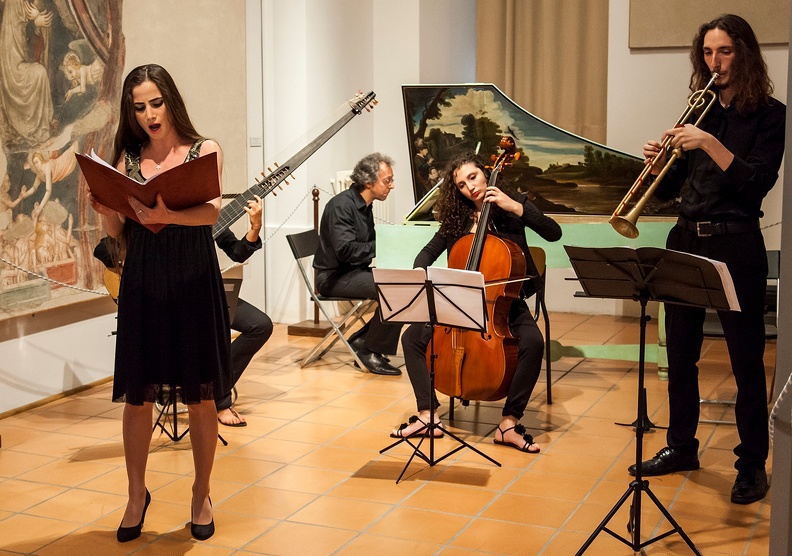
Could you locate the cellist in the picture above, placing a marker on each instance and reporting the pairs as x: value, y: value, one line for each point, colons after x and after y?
x: 463, y: 193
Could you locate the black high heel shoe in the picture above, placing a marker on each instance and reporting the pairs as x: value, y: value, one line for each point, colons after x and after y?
x: 126, y: 534
x: 202, y: 532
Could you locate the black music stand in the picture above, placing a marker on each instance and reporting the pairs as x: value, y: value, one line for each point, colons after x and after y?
x: 447, y: 297
x: 644, y: 274
x: 169, y: 412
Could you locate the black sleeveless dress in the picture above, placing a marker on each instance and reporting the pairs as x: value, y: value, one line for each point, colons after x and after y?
x: 173, y: 323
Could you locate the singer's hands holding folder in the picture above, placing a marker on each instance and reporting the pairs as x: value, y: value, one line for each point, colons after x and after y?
x: 158, y: 214
x: 99, y: 207
x: 113, y: 220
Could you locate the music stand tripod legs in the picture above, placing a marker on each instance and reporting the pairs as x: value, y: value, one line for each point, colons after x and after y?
x: 169, y: 412
x: 428, y: 431
x: 649, y: 274
x: 638, y: 485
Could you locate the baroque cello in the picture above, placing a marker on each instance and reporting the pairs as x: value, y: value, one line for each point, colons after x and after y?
x: 473, y: 365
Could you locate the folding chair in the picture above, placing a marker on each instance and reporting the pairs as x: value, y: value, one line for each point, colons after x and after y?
x: 540, y: 260
x: 303, y: 246
x: 713, y: 329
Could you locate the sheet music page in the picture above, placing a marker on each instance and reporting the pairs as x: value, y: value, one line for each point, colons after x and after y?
x: 725, y: 276
x: 402, y: 294
x: 459, y: 297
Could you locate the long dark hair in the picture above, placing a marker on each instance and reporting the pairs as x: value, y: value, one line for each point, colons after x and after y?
x: 749, y: 80
x: 453, y: 209
x: 130, y: 136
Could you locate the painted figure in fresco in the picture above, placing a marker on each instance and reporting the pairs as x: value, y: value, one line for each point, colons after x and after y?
x: 7, y: 204
x: 54, y: 57
x: 61, y: 246
x: 25, y: 98
x: 49, y: 170
x: 81, y: 75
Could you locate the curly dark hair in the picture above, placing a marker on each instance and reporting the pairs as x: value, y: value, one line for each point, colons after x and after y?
x: 750, y: 82
x: 367, y: 170
x: 453, y: 210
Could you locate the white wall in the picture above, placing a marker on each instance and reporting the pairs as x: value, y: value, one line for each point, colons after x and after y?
x: 41, y: 365
x: 331, y: 49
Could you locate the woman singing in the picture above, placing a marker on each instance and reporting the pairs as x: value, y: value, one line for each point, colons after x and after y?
x: 172, y: 314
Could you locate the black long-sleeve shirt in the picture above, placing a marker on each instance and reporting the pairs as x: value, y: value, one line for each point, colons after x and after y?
x: 238, y: 250
x: 757, y: 142
x: 506, y: 225
x: 346, y: 234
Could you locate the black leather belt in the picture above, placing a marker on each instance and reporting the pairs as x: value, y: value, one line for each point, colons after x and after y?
x: 706, y: 229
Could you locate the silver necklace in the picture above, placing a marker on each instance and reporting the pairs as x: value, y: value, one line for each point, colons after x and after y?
x: 158, y: 165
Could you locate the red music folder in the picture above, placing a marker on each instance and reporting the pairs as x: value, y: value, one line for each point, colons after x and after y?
x: 187, y: 185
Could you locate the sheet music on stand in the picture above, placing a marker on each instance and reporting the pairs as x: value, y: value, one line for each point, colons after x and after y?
x: 449, y: 302
x: 676, y: 277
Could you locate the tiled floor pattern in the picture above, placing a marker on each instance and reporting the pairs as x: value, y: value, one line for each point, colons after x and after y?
x: 306, y: 476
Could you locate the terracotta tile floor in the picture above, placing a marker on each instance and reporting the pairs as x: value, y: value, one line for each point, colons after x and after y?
x: 306, y: 476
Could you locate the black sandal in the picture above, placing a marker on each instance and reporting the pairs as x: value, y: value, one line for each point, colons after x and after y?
x: 519, y: 429
x: 235, y: 414
x: 423, y: 431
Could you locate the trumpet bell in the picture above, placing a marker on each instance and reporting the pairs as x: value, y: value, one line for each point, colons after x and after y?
x: 624, y: 226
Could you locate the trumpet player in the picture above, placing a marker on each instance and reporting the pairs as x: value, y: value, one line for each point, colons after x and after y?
x: 729, y: 162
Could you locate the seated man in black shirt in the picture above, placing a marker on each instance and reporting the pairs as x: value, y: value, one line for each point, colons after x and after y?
x: 347, y: 246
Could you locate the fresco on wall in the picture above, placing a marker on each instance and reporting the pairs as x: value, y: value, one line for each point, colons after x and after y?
x: 561, y: 172
x: 60, y: 77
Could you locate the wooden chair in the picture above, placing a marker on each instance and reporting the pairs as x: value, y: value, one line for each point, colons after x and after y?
x: 540, y: 309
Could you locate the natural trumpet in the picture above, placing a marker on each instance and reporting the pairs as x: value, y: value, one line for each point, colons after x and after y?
x: 625, y: 225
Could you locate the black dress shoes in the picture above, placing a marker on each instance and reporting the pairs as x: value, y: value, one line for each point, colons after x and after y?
x: 750, y: 486
x: 668, y: 460
x: 376, y: 364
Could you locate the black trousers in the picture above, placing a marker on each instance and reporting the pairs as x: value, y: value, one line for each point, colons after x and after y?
x: 380, y: 337
x: 529, y: 361
x: 255, y: 328
x: 744, y: 331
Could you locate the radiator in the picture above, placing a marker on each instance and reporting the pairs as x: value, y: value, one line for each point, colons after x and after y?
x: 342, y: 181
